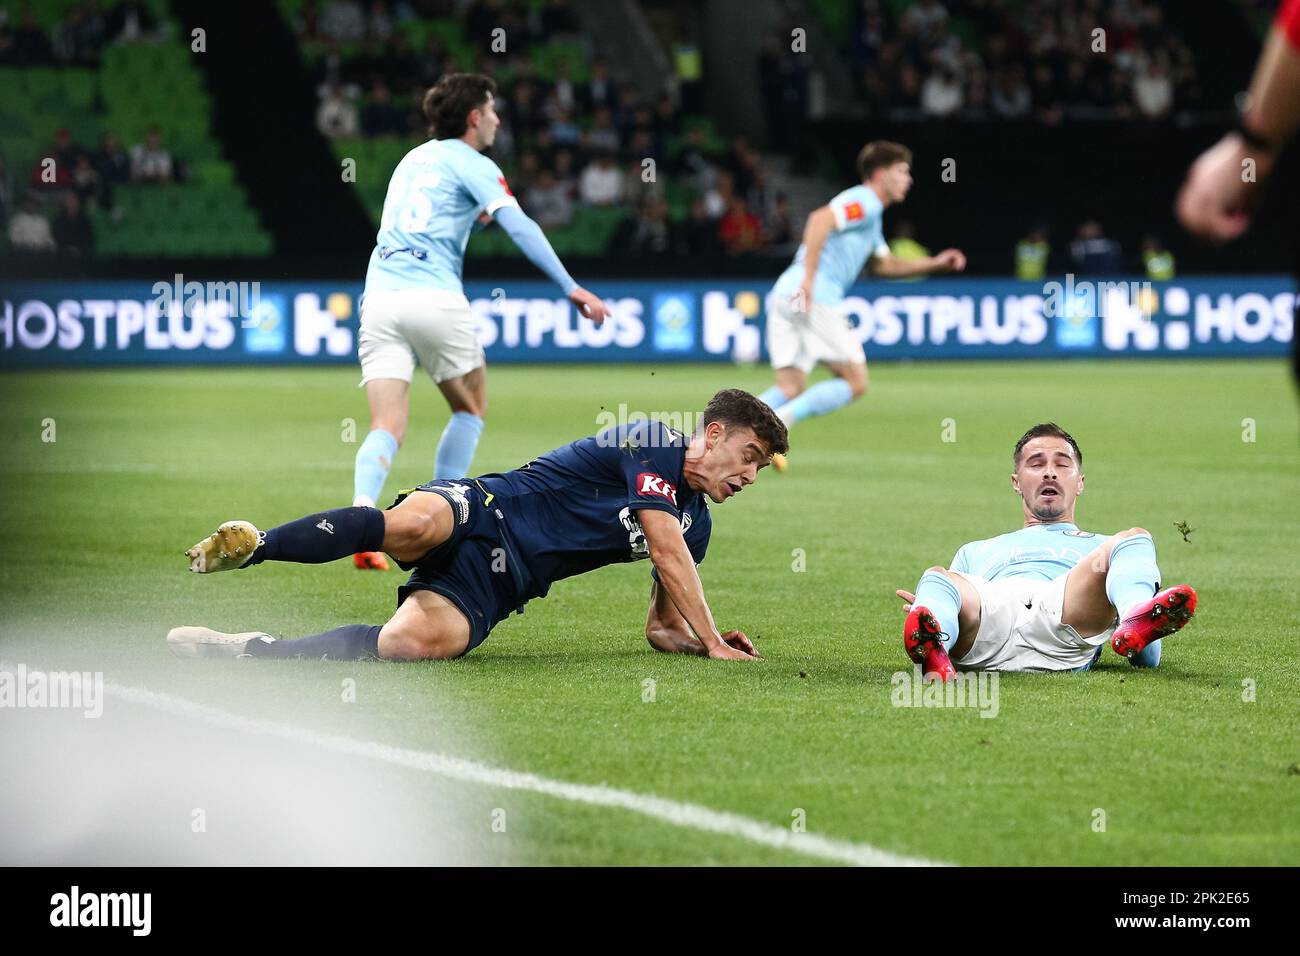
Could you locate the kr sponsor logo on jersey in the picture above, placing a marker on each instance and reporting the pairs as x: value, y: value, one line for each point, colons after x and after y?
x: 651, y: 484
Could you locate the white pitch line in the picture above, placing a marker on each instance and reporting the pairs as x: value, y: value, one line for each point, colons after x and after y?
x: 690, y: 815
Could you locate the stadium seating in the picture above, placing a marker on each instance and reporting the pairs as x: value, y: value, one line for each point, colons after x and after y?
x: 137, y: 85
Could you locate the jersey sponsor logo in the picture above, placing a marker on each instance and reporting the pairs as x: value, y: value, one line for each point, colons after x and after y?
x: 636, y: 541
x: 325, y: 526
x: 853, y: 212
x: 651, y: 484
x: 504, y: 185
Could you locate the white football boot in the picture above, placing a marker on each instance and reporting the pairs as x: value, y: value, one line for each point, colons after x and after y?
x: 227, y: 548
x: 205, y: 642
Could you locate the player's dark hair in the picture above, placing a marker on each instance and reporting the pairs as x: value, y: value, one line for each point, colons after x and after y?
x: 448, y: 102
x: 1046, y: 429
x: 734, y: 406
x: 879, y: 153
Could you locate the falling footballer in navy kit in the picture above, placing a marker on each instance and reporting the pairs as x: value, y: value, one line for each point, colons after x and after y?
x: 480, y: 548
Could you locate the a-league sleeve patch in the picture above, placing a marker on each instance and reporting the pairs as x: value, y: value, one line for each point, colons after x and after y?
x: 853, y: 212
x: 649, y: 484
x: 504, y: 185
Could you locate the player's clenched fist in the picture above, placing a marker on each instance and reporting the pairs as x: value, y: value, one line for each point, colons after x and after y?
x: 950, y: 260
x: 589, y: 305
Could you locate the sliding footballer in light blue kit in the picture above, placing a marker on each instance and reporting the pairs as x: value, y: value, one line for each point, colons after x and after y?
x: 1045, y: 597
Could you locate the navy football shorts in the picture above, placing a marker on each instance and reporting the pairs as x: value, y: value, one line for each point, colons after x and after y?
x: 477, y: 568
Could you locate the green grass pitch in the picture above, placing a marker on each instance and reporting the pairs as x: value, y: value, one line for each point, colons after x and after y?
x: 1195, y: 763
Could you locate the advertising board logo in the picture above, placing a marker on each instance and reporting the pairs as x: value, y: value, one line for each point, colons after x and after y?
x: 266, y: 330
x: 674, y: 318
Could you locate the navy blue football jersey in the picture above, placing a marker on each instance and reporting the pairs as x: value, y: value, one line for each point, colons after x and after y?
x: 575, y: 509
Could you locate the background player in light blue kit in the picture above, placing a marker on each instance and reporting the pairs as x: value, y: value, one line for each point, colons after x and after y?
x: 414, y: 308
x: 1048, y: 596
x: 805, y: 326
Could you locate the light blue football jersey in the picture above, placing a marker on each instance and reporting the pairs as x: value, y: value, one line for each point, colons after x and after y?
x: 434, y: 199
x: 1041, y: 551
x: 858, y: 234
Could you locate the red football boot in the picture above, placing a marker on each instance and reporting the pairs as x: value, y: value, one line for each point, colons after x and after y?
x: 370, y: 559
x: 1161, y: 616
x: 923, y: 641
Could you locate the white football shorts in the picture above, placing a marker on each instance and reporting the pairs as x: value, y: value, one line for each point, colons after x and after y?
x: 802, y: 339
x: 433, y: 327
x: 1021, y: 629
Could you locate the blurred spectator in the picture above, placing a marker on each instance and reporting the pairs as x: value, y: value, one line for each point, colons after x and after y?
x: 112, y: 162
x: 336, y: 116
x: 904, y: 245
x: 548, y: 202
x: 941, y: 93
x: 601, y: 183
x: 74, y: 235
x: 380, y: 117
x: 56, y: 175
x: 379, y: 25
x: 701, y: 233
x: 29, y: 231
x: 80, y: 36
x: 1153, y: 89
x: 85, y: 180
x: 150, y: 162
x: 648, y: 233
x: 778, y: 227
x: 1093, y: 253
x: 27, y: 44
x: 717, y: 201
x: 6, y: 190
x: 1011, y: 98
x: 602, y: 135
x: 739, y: 230
x: 1158, y: 261
x: 130, y: 20
x: 1032, y: 255
x: 599, y: 88
x: 557, y: 19
x: 343, y: 20
x: 696, y: 163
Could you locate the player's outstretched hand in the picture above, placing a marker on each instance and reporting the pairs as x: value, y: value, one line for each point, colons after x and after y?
x: 908, y: 599
x: 1215, y: 201
x: 726, y: 652
x: 589, y: 305
x: 950, y: 260
x: 740, y: 641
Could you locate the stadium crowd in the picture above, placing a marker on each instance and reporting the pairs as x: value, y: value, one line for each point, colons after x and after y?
x: 563, y: 143
x: 1038, y: 60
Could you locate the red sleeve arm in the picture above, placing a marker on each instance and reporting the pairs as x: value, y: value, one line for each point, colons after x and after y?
x: 1288, y: 21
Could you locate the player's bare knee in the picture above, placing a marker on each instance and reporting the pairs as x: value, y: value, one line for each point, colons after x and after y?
x: 1133, y: 533
x: 396, y: 428
x: 936, y: 570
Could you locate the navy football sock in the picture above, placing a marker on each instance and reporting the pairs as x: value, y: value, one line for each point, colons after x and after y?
x: 351, y: 642
x: 326, y: 536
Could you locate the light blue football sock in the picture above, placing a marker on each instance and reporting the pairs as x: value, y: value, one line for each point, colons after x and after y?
x: 937, y: 592
x: 1133, y: 576
x: 774, y: 398
x: 374, y: 460
x: 456, y: 447
x: 1132, y: 579
x: 821, y: 399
